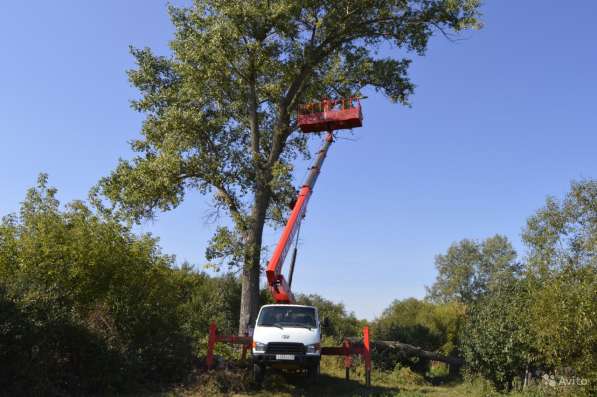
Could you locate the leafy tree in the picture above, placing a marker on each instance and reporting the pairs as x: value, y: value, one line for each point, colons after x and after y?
x: 204, y: 299
x: 408, y: 321
x: 471, y: 269
x: 405, y: 321
x: 544, y: 318
x: 341, y: 323
x: 497, y: 341
x: 561, y: 275
x: 434, y: 327
x: 448, y: 319
x: 562, y: 312
x: 219, y: 110
x: 564, y: 233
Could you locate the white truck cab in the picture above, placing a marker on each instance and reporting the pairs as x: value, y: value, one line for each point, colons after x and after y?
x: 286, y: 337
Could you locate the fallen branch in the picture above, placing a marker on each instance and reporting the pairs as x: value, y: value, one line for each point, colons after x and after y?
x: 409, y: 351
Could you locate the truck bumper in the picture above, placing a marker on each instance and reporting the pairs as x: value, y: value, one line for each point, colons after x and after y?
x: 300, y: 360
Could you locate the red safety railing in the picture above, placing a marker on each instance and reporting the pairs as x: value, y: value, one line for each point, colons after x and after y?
x: 329, y: 105
x: 330, y: 115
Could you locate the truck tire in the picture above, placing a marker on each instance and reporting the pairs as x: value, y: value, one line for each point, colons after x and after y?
x: 313, y: 372
x: 258, y: 373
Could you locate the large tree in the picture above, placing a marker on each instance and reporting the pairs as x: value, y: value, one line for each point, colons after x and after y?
x: 219, y: 108
x: 561, y: 277
x: 564, y: 232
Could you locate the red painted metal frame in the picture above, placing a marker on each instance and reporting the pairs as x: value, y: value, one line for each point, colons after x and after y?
x: 330, y: 115
x: 348, y: 349
x: 367, y: 355
x: 214, y: 338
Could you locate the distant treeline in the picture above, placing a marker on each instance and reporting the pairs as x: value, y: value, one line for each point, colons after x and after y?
x: 87, y: 306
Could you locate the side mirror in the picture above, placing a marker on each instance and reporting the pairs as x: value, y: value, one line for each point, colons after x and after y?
x: 325, y: 324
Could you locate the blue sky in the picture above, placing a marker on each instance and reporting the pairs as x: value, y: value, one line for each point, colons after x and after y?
x: 498, y: 121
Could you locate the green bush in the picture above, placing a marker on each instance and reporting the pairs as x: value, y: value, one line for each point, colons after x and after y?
x: 87, y: 306
x: 405, y: 376
x: 434, y: 327
x: 497, y: 342
x: 44, y: 352
x: 543, y: 320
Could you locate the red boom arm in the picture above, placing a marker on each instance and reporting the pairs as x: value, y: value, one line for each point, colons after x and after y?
x: 279, y: 288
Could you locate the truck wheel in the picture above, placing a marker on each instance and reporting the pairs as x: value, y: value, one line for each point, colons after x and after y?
x: 313, y: 372
x: 258, y: 373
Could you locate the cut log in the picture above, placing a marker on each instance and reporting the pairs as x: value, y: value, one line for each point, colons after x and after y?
x: 409, y: 351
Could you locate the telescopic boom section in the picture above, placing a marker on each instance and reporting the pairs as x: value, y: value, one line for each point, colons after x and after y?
x: 279, y: 288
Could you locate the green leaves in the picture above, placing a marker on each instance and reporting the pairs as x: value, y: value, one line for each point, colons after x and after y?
x: 219, y: 109
x: 562, y: 277
x: 471, y: 269
x: 544, y: 316
x: 341, y: 322
x: 434, y: 327
x: 565, y: 232
x: 83, y: 284
x: 496, y: 341
x: 102, y: 308
x: 224, y: 248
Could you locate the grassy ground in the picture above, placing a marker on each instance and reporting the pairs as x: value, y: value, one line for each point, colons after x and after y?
x: 330, y: 383
x: 402, y: 383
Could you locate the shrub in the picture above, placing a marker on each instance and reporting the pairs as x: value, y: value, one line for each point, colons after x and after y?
x: 87, y: 305
x: 434, y: 327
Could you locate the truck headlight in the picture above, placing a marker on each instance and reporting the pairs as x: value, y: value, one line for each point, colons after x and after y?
x: 314, y: 348
x: 259, y: 347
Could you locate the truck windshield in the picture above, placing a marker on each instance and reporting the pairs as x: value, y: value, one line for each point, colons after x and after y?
x: 289, y: 316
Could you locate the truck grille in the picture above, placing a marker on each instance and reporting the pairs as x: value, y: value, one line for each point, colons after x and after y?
x: 285, y: 348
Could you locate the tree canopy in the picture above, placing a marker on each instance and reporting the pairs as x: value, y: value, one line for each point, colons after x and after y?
x: 219, y: 109
x: 471, y: 269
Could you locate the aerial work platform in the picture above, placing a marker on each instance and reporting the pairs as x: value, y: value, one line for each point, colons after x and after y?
x: 330, y: 115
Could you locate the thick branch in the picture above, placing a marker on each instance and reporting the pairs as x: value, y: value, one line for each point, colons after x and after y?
x: 410, y: 351
x: 253, y: 120
x: 233, y: 206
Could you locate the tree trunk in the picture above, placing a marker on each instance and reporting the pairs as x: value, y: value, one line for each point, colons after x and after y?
x: 249, y: 301
x: 410, y: 351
